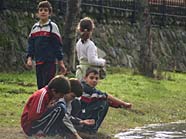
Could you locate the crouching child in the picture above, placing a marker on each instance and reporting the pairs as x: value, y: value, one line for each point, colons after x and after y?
x: 41, y: 116
x: 72, y: 124
x: 95, y: 103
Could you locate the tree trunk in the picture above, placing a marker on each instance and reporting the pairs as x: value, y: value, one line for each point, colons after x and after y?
x: 72, y: 13
x: 146, y: 66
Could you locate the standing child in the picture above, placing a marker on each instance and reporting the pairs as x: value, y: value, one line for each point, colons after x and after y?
x: 45, y: 46
x: 86, y: 49
x: 40, y: 115
x: 95, y: 103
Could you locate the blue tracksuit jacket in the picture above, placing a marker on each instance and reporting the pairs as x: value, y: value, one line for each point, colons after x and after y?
x: 44, y: 43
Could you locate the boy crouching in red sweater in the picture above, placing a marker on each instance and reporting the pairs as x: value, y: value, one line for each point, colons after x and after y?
x: 42, y: 117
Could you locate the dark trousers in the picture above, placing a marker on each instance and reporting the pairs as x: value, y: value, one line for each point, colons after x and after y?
x: 51, y: 123
x: 44, y: 73
x: 96, y: 110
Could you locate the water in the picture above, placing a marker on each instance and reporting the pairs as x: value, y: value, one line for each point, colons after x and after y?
x: 156, y: 131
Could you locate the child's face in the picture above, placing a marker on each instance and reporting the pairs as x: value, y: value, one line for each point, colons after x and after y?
x: 92, y: 79
x: 70, y: 96
x: 43, y: 14
x: 58, y: 95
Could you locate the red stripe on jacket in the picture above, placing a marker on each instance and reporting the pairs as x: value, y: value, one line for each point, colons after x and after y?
x: 47, y: 34
x: 40, y: 33
x: 91, y: 99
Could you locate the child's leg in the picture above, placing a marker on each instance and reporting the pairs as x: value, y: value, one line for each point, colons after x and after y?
x: 51, y: 122
x: 96, y: 110
x: 39, y: 75
x: 49, y: 71
x: 117, y: 103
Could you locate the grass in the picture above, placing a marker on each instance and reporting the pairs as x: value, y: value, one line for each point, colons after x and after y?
x: 154, y: 101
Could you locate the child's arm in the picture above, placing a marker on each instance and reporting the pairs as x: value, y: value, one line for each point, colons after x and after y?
x: 77, y: 136
x: 70, y: 126
x: 52, y: 103
x: 29, y: 62
x: 87, y: 122
x: 63, y: 70
x: 117, y: 103
x: 93, y: 56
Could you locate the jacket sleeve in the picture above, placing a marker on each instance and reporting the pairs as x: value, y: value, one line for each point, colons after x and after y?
x: 93, y: 56
x: 68, y: 123
x: 57, y: 42
x: 37, y: 107
x: 30, y: 47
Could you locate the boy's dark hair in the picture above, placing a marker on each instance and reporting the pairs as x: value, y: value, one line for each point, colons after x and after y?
x: 60, y: 84
x: 45, y: 4
x: 91, y: 70
x: 76, y: 87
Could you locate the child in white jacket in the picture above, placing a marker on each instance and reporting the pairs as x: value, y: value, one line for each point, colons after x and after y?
x: 87, y: 52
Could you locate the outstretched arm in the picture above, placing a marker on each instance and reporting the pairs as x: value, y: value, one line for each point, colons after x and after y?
x: 117, y: 103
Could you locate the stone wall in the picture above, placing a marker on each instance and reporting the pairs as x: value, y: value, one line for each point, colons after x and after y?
x: 117, y: 39
x: 122, y: 46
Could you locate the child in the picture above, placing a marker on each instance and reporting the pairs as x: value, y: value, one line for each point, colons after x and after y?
x: 44, y: 45
x: 40, y: 115
x: 70, y: 120
x: 86, y: 49
x: 94, y: 103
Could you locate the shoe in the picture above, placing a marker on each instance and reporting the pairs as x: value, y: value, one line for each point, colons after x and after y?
x: 88, y: 135
x: 39, y: 135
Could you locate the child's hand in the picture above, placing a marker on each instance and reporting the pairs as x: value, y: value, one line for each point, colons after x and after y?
x: 88, y: 122
x: 77, y: 136
x: 127, y: 105
x: 63, y: 69
x: 29, y: 63
x: 51, y: 103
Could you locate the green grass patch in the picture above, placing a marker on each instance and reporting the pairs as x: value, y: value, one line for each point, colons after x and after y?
x: 154, y: 101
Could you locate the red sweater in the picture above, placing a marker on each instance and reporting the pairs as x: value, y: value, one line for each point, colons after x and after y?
x: 35, y: 107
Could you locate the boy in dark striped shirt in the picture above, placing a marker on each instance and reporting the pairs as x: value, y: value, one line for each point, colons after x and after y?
x: 95, y: 103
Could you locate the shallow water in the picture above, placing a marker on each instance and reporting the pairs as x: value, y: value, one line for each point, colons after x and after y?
x: 156, y: 131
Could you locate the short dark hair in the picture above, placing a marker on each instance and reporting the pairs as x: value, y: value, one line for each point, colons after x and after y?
x: 76, y: 87
x: 91, y: 70
x: 60, y: 84
x: 45, y: 4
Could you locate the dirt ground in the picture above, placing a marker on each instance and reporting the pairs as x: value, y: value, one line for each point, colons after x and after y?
x: 17, y: 133
x: 11, y: 133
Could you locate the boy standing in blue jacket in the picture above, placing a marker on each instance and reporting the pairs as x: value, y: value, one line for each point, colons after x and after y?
x: 45, y: 46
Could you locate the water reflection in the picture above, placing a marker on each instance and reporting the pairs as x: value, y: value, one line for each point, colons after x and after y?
x: 159, y: 131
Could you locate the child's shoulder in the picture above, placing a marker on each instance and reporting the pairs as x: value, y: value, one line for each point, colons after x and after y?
x: 35, y: 24
x: 53, y: 24
x: 91, y: 43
